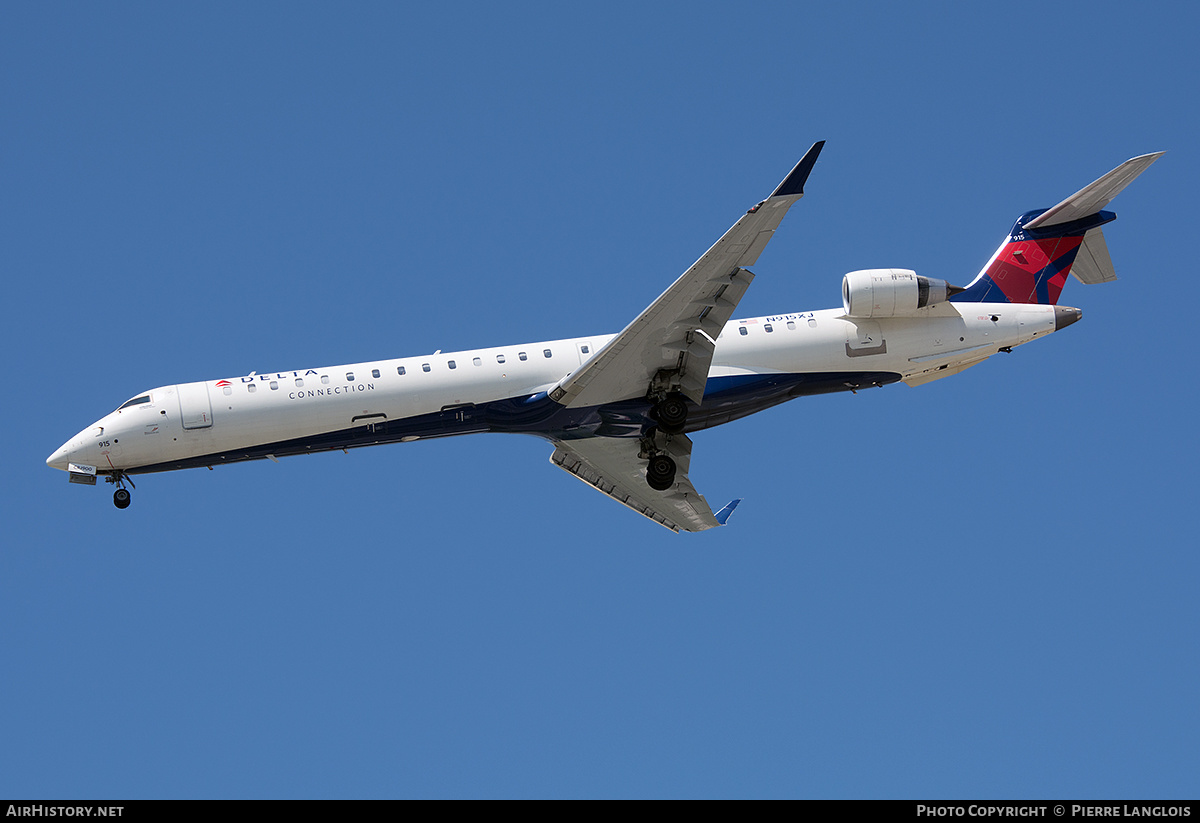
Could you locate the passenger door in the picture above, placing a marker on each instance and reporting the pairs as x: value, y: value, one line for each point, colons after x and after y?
x: 195, y: 410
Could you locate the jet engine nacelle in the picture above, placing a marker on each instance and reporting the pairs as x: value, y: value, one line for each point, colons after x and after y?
x: 891, y: 292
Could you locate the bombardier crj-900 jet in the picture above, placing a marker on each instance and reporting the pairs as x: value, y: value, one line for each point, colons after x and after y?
x: 619, y: 409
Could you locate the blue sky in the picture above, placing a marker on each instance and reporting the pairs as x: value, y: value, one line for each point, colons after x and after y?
x: 982, y: 587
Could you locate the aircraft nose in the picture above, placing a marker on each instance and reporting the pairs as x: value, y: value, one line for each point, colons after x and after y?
x: 61, y: 458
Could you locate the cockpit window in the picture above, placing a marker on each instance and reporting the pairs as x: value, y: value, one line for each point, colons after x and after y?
x: 137, y: 401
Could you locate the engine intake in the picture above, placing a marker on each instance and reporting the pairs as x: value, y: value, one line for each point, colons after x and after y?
x: 892, y: 292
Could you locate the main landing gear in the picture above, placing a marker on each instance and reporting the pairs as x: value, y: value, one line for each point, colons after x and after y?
x: 121, y: 497
x: 660, y: 472
x: 670, y: 414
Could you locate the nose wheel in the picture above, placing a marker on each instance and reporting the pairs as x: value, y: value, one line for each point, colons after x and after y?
x: 121, y: 497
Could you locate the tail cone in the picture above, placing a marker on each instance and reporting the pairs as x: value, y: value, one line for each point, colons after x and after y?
x: 1065, y: 316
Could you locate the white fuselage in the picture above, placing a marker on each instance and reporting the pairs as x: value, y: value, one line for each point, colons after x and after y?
x: 758, y: 362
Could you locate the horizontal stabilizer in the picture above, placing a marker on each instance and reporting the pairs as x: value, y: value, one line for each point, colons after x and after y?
x: 1092, y: 264
x: 1095, y: 196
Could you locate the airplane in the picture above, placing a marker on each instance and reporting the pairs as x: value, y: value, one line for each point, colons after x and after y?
x: 619, y: 408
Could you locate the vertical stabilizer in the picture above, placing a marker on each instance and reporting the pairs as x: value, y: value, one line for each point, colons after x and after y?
x: 1043, y: 247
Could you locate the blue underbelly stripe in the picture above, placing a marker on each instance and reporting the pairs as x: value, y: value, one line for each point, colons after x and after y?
x: 725, y: 399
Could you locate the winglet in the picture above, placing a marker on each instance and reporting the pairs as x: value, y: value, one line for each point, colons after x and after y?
x: 728, y: 508
x: 794, y: 182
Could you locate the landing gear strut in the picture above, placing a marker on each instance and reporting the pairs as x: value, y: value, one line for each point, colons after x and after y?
x: 121, y: 497
x: 669, y: 411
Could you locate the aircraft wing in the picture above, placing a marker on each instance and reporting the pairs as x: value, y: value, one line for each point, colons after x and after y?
x: 612, y: 465
x: 674, y: 338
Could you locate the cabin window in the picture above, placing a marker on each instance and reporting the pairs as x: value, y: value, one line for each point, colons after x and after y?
x: 546, y: 352
x: 349, y: 377
x: 299, y: 381
x: 228, y: 390
x: 325, y: 379
x: 452, y: 364
x: 137, y: 401
x: 791, y: 325
x: 274, y: 385
x: 583, y: 349
x: 250, y: 387
x: 522, y: 356
x: 499, y: 358
x: 767, y: 328
x: 742, y: 330
x: 812, y: 322
x: 374, y: 372
x: 478, y: 361
x: 399, y: 370
x: 424, y: 367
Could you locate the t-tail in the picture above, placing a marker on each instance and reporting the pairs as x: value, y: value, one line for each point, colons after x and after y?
x: 1044, y: 246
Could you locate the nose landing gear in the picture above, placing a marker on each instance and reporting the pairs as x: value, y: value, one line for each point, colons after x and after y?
x: 121, y: 497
